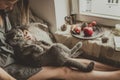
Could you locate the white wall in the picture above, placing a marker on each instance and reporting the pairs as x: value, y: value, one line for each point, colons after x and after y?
x: 74, y: 7
x: 61, y: 11
x: 45, y: 10
x: 53, y: 11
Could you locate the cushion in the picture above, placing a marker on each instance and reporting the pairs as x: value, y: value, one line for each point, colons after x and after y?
x: 34, y: 18
x: 40, y: 32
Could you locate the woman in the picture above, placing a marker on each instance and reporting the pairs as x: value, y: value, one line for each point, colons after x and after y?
x: 101, y: 71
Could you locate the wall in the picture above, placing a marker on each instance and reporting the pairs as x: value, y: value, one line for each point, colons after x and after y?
x: 53, y: 11
x: 45, y: 10
x: 61, y: 11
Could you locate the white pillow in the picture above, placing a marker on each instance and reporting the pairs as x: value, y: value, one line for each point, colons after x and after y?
x: 40, y: 32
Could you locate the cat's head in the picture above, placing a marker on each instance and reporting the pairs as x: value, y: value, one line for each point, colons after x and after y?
x: 15, y: 37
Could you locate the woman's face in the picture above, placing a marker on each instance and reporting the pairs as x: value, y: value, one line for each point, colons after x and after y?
x: 5, y: 4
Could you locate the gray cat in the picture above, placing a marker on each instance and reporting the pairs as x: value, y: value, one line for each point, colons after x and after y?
x: 40, y: 53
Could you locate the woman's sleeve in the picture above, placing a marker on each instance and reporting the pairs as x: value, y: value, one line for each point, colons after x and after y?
x: 5, y: 51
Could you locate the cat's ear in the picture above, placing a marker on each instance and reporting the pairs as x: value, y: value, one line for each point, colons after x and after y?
x: 9, y: 33
x: 15, y: 27
x: 24, y: 27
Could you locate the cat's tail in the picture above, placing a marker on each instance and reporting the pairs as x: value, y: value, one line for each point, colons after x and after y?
x: 80, y: 66
x: 76, y: 48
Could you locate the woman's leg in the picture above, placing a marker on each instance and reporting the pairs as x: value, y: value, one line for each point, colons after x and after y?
x: 5, y: 76
x: 94, y: 75
x: 66, y: 73
x: 69, y: 74
x: 50, y: 73
x: 98, y: 66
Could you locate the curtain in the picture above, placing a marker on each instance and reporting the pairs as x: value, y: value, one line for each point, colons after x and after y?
x: 74, y: 6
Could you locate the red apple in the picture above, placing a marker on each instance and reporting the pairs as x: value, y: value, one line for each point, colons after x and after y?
x: 88, y: 31
x: 90, y: 25
x: 94, y: 23
x: 77, y: 29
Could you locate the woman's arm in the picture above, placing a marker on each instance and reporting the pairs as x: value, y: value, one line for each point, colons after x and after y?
x: 5, y: 76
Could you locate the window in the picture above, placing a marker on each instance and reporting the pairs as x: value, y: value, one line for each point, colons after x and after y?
x: 103, y: 11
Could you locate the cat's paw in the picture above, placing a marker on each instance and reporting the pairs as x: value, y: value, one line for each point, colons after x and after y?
x: 90, y: 66
x: 79, y: 45
x: 35, y: 48
x: 38, y: 49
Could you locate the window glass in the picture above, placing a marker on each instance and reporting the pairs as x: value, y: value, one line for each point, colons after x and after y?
x: 101, y: 8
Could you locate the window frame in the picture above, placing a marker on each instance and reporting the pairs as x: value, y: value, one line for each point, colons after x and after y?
x: 99, y: 19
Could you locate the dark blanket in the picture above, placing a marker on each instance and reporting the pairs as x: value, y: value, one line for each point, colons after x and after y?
x: 21, y: 72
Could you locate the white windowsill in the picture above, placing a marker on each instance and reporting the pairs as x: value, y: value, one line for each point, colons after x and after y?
x: 100, y: 15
